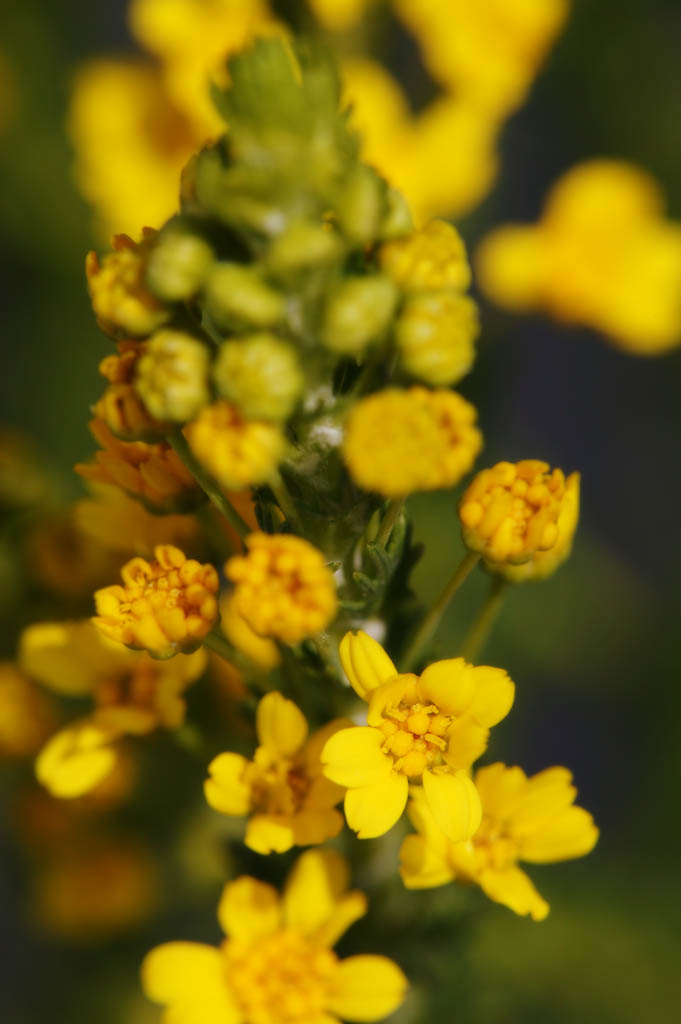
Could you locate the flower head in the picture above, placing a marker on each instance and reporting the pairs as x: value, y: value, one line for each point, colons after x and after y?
x: 261, y: 374
x: 398, y: 441
x: 429, y: 260
x: 119, y: 523
x: 120, y: 407
x: 524, y: 818
x: 238, y: 452
x: 164, y: 606
x: 425, y: 730
x: 289, y: 801
x: 120, y: 298
x: 515, y: 513
x: 172, y: 375
x: 435, y: 335
x: 276, y: 965
x: 283, y: 589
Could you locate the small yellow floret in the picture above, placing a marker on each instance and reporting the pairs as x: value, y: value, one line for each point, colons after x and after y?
x: 238, y: 452
x: 172, y: 375
x: 164, y: 606
x: 510, y: 513
x: 400, y: 441
x: 120, y: 407
x: 120, y: 298
x: 283, y: 590
x: 435, y: 335
x: 431, y: 259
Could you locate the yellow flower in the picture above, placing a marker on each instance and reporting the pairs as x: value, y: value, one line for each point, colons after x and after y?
x: 65, y: 560
x: 277, y: 965
x: 435, y: 336
x: 120, y: 407
x: 164, y: 606
x: 77, y: 759
x: 284, y: 590
x: 532, y: 819
x: 516, y: 514
x: 27, y: 716
x: 430, y: 259
x: 400, y: 441
x: 425, y: 729
x: 261, y: 650
x: 172, y: 375
x: 289, y: 801
x: 238, y: 452
x: 261, y: 374
x: 120, y: 298
x: 152, y: 472
x: 95, y: 888
x: 118, y: 523
x: 338, y: 15
x: 602, y: 254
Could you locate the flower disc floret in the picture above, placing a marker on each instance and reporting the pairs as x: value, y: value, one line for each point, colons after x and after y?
x: 120, y: 298
x: 510, y: 512
x: 120, y: 407
x: 283, y: 588
x: 425, y: 730
x: 164, y: 606
x: 435, y: 335
x: 431, y: 259
x: 400, y: 441
x: 238, y: 452
x: 172, y: 375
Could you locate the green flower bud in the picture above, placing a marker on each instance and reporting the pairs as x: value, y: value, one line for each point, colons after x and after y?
x: 301, y: 246
x: 260, y: 374
x: 172, y: 376
x: 236, y: 295
x: 358, y: 311
x: 177, y: 265
x: 362, y: 205
x: 397, y: 221
x: 435, y: 334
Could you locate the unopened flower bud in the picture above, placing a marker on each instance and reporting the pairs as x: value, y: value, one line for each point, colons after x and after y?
x: 177, y: 265
x: 303, y: 245
x: 261, y: 375
x: 431, y: 259
x: 362, y: 205
x: 235, y: 296
x: 358, y: 311
x: 120, y: 298
x: 435, y: 334
x: 172, y: 376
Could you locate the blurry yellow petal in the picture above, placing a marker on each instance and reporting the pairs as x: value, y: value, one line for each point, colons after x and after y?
x: 513, y: 888
x: 315, y: 897
x: 178, y: 969
x: 500, y: 788
x: 467, y: 742
x: 449, y: 684
x: 542, y: 797
x: 510, y: 265
x: 314, y: 826
x: 423, y: 865
x: 76, y: 759
x: 281, y: 725
x: 353, y: 757
x: 571, y: 834
x: 455, y: 803
x: 494, y: 694
x: 317, y: 742
x: 402, y: 687
x: 225, y: 790
x: 70, y: 657
x: 269, y: 833
x: 249, y: 909
x: 366, y: 988
x: 373, y: 810
x: 365, y: 662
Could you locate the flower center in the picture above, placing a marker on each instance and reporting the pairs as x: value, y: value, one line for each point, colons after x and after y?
x: 414, y: 736
x: 278, y: 786
x: 279, y: 979
x: 493, y: 847
x: 136, y: 688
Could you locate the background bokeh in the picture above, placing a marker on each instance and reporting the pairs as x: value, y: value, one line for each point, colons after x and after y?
x: 594, y: 651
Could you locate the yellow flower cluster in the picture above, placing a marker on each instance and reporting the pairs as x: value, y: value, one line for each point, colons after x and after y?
x: 602, y: 255
x: 164, y: 606
x: 283, y: 588
x: 531, y: 819
x: 289, y: 801
x: 400, y: 441
x: 424, y: 729
x: 277, y: 965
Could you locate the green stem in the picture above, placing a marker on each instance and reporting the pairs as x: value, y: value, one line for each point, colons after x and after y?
x: 178, y: 443
x: 482, y: 625
x: 216, y: 642
x: 286, y: 503
x: 437, y: 610
x: 393, y: 513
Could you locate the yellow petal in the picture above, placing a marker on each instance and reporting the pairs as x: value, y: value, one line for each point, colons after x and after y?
x: 353, y: 757
x: 365, y: 662
x: 455, y: 803
x: 422, y: 865
x: 467, y: 741
x: 281, y: 725
x: 513, y: 888
x: 178, y: 969
x: 76, y: 759
x: 315, y: 826
x: 70, y: 657
x: 366, y: 988
x: 373, y: 810
x: 225, y: 790
x: 317, y: 741
x: 402, y: 687
x: 450, y: 685
x: 572, y: 833
x: 315, y: 898
x: 500, y: 788
x: 543, y: 796
x: 249, y: 909
x: 494, y: 694
x: 269, y: 833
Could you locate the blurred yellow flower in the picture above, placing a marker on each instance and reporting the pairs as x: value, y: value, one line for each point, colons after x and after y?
x: 602, y: 255
x: 283, y: 588
x: 431, y: 259
x: 338, y: 15
x: 120, y: 407
x: 121, y: 524
x: 277, y: 965
x: 515, y: 514
x: 288, y: 800
x: 260, y: 650
x: 400, y: 441
x: 435, y: 335
x: 64, y: 559
x: 237, y: 452
x: 164, y: 606
x: 425, y: 729
x: 123, y: 304
x: 532, y: 819
x: 171, y: 376
x: 27, y: 716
